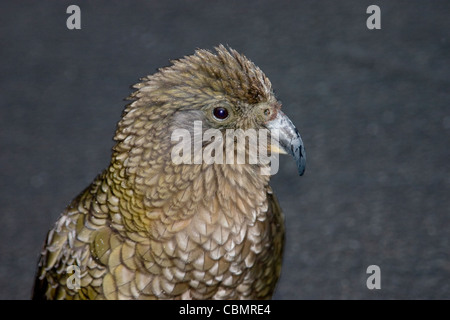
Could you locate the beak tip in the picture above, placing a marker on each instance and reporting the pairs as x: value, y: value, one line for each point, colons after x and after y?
x: 301, y: 166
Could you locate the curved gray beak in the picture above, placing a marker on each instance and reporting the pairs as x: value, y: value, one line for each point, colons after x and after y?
x: 289, y: 140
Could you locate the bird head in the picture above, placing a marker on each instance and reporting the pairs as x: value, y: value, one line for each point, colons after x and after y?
x: 220, y: 90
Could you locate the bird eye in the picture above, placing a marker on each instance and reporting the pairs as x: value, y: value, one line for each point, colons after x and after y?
x: 220, y: 113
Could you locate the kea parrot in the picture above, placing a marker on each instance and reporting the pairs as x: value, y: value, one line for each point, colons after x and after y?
x: 150, y: 228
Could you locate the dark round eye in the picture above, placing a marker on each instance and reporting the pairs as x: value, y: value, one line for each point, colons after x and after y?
x: 220, y: 113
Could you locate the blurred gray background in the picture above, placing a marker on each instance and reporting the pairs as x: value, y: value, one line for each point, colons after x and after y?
x: 373, y: 108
